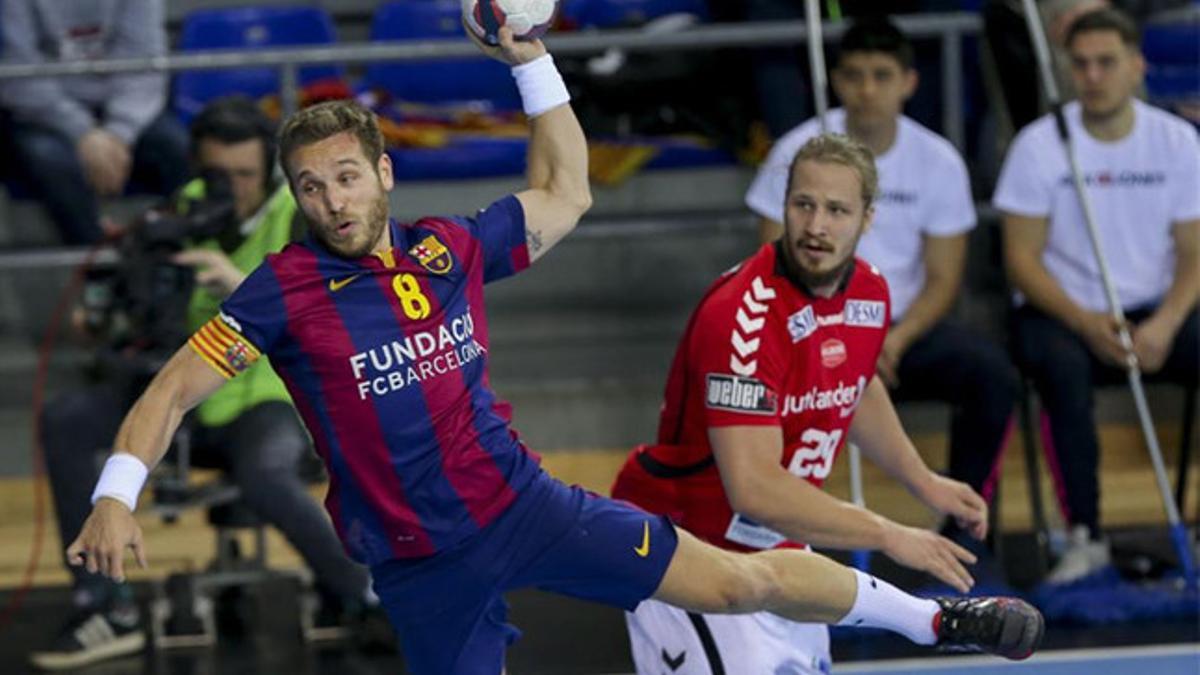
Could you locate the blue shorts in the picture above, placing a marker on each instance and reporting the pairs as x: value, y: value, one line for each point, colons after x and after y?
x: 449, y: 608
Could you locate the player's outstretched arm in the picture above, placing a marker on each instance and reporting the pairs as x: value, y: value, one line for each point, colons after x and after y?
x: 141, y: 442
x: 558, y: 193
x: 760, y: 488
x: 877, y: 431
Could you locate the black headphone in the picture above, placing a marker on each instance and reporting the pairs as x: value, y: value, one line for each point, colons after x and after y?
x: 233, y: 119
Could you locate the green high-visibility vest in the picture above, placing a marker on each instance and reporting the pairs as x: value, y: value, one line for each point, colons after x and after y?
x: 259, y: 383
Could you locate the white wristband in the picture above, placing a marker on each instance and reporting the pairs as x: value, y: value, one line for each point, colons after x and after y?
x: 122, y: 479
x: 541, y: 87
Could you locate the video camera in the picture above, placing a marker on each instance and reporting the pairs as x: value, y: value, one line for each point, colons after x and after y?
x: 139, y: 307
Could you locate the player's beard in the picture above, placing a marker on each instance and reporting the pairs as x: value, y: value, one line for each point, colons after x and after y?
x: 376, y: 221
x: 814, y: 279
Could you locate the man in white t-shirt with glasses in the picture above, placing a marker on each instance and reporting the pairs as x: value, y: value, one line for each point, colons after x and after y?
x: 918, y: 240
x: 1141, y: 168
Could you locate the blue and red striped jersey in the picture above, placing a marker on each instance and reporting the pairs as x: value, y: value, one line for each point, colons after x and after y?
x: 386, y: 360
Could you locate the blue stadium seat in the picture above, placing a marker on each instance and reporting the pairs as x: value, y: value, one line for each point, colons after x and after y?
x: 1170, y: 48
x: 247, y: 28
x: 618, y: 13
x: 436, y: 81
x: 1174, y: 42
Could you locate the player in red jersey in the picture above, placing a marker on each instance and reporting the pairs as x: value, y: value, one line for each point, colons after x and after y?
x: 774, y: 374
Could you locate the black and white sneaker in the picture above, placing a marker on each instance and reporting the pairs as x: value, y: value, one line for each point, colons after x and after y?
x: 1005, y: 627
x: 93, y: 635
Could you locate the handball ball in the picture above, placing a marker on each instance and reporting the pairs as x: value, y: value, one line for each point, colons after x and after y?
x: 528, y: 19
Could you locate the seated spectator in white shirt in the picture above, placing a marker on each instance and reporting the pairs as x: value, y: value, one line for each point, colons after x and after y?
x: 1141, y: 168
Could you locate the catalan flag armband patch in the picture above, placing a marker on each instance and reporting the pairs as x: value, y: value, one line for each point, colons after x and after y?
x: 223, y: 348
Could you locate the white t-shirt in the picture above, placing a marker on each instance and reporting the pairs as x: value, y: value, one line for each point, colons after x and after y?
x: 1138, y: 187
x: 923, y: 190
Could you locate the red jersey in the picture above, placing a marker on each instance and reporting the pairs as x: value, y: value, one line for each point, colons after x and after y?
x: 758, y: 351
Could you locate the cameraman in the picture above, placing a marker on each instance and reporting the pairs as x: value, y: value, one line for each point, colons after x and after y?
x: 249, y: 428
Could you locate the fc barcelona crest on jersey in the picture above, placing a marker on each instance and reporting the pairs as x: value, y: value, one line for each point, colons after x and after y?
x: 432, y: 255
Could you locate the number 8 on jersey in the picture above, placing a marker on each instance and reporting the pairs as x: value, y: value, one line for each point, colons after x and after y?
x: 412, y: 300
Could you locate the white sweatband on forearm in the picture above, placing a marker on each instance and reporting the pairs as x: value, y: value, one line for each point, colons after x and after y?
x: 541, y: 87
x: 122, y: 479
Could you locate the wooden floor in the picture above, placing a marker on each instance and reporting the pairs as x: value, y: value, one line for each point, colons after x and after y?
x: 1130, y: 497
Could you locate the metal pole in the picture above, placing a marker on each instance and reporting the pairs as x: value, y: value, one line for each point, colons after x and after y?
x: 816, y: 60
x: 289, y: 88
x: 714, y: 36
x: 862, y: 557
x: 1179, y: 533
x: 953, y: 121
x: 1033, y: 478
x: 14, y: 261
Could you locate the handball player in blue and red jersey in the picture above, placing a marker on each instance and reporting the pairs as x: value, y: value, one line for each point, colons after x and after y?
x: 379, y: 331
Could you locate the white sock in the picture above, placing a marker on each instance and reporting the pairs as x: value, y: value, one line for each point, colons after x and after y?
x: 878, y: 604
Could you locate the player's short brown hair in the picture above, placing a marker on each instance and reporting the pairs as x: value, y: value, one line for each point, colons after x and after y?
x: 318, y: 122
x: 841, y: 149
